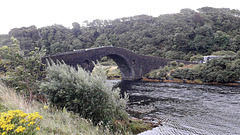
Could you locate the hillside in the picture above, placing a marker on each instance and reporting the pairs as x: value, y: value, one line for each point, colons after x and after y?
x: 176, y: 36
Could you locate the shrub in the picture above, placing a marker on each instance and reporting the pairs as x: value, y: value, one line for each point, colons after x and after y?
x: 181, y: 64
x: 173, y: 64
x: 18, y: 122
x: 185, y: 74
x: 197, y: 58
x: 160, y: 73
x: 88, y: 94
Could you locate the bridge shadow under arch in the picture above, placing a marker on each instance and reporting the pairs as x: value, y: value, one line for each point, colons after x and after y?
x: 125, y: 69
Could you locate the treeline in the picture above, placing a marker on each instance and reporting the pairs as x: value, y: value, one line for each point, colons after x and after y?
x: 224, y: 69
x: 177, y: 36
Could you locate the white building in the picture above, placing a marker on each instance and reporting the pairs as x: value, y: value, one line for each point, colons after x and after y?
x: 206, y: 58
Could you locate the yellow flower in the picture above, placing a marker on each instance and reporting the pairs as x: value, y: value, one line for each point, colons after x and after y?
x: 17, y: 117
x: 37, y: 128
x: 45, y: 107
x: 10, y: 127
x: 23, y: 121
x: 20, y: 129
x: 31, y: 123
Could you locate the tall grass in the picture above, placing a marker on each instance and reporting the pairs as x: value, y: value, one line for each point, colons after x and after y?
x: 55, y: 122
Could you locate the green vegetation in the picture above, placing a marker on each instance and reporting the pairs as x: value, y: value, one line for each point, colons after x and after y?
x: 188, y: 35
x: 24, y: 71
x: 105, y: 61
x: 112, y: 71
x: 18, y: 122
x: 110, y: 67
x: 197, y: 58
x: 223, y: 70
x: 177, y: 36
x: 85, y: 93
x: 55, y: 121
x: 224, y: 53
x: 77, y: 94
x: 161, y: 73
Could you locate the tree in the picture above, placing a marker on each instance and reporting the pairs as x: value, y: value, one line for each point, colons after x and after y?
x: 221, y: 40
x: 221, y: 70
x: 188, y: 32
x: 174, y: 54
x: 204, y: 39
x: 181, y: 42
x: 28, y: 37
x: 234, y: 44
x: 76, y: 29
x: 24, y: 72
x: 173, y: 64
x: 224, y: 53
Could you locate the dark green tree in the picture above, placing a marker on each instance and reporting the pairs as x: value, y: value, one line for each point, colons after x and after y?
x: 24, y: 71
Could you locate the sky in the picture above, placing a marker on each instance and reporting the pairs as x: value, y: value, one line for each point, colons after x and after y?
x: 24, y: 13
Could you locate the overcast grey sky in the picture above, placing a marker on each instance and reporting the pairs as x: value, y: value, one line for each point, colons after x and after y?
x: 24, y: 13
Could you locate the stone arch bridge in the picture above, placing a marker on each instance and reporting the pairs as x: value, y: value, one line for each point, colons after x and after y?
x: 132, y: 66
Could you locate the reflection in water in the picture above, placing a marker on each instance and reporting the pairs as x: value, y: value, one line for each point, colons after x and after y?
x: 186, y: 108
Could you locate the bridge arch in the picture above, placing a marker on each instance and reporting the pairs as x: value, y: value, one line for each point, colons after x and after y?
x: 125, y: 67
x: 132, y: 66
x: 124, y: 64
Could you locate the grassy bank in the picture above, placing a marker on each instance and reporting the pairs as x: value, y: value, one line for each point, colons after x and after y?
x: 54, y: 121
x: 62, y: 122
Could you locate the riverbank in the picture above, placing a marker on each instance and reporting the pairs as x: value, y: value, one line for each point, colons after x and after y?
x: 177, y: 81
x: 189, y: 81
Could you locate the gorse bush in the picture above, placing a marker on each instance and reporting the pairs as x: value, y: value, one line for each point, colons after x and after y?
x: 18, y: 122
x: 88, y: 94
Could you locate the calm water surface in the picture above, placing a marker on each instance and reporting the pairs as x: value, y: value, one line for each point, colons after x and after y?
x: 186, y: 109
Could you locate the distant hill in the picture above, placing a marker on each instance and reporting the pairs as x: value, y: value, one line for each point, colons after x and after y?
x: 176, y: 36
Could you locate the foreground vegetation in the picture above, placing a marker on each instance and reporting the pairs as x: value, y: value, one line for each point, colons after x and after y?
x: 88, y: 94
x: 55, y: 121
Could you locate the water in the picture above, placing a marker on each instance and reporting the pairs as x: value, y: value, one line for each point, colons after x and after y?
x: 186, y: 109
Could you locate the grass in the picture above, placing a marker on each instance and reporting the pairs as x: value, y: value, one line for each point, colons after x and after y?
x: 55, y: 121
x: 112, y: 71
x: 62, y: 122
